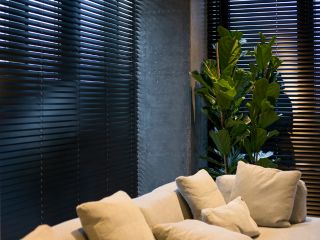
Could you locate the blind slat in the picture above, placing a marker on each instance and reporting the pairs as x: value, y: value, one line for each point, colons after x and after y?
x: 296, y: 25
x: 68, y: 107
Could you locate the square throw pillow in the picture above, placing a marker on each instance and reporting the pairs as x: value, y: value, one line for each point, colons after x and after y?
x: 225, y: 184
x: 269, y: 193
x: 163, y: 205
x: 200, y: 191
x: 194, y: 230
x: 42, y: 232
x: 114, y: 218
x: 234, y: 216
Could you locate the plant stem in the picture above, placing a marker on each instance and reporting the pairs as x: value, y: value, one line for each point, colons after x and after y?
x: 218, y: 60
x: 225, y: 159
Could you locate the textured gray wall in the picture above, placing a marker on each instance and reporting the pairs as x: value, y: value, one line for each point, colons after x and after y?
x: 164, y: 94
x: 172, y: 135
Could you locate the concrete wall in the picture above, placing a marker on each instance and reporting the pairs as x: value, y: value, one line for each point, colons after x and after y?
x: 198, y: 52
x: 165, y: 99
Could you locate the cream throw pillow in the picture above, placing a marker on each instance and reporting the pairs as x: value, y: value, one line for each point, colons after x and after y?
x: 114, y: 218
x: 299, y: 212
x: 194, y: 230
x: 200, y: 191
x: 269, y: 193
x: 163, y: 205
x: 43, y: 232
x: 234, y: 216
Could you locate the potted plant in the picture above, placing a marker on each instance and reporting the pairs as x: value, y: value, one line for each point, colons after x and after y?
x: 224, y: 87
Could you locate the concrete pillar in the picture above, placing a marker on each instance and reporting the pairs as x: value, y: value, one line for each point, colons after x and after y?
x: 166, y: 148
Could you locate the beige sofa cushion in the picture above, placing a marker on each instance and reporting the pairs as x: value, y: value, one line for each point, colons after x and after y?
x: 163, y: 205
x: 70, y: 230
x: 114, y: 218
x: 194, y: 230
x: 308, y: 230
x: 225, y: 184
x: 42, y: 232
x: 234, y: 216
x: 299, y: 212
x: 200, y: 191
x: 269, y: 193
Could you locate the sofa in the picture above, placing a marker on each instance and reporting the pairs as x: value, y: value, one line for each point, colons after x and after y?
x: 166, y: 205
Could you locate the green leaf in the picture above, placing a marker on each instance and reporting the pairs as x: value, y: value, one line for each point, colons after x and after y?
x: 223, y: 32
x: 209, y: 68
x: 275, y: 63
x: 224, y: 98
x: 266, y: 162
x: 259, y: 91
x: 272, y: 134
x: 242, y: 82
x: 227, y: 73
x: 222, y: 141
x: 273, y: 90
x: 256, y: 140
x: 208, y: 97
x: 267, y: 118
x: 263, y: 56
x: 198, y: 77
x: 229, y: 52
x: 260, y: 139
x: 223, y: 84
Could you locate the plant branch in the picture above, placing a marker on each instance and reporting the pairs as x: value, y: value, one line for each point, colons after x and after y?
x: 218, y: 59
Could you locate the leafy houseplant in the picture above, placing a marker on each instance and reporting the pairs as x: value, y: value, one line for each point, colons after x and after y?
x: 224, y: 87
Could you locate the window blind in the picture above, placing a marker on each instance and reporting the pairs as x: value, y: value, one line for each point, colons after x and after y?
x: 68, y: 107
x: 296, y: 25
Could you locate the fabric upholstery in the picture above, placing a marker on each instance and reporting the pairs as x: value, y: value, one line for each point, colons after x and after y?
x: 269, y: 193
x: 200, y: 191
x: 163, y: 205
x: 42, y: 232
x: 194, y: 230
x: 225, y: 184
x: 299, y: 212
x: 114, y: 218
x: 308, y: 230
x: 234, y: 216
x: 70, y: 230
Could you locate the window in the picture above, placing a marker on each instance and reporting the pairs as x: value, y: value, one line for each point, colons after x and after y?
x: 68, y: 111
x: 296, y: 25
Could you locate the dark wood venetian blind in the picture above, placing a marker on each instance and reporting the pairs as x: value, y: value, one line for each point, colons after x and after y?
x: 296, y: 25
x: 68, y: 107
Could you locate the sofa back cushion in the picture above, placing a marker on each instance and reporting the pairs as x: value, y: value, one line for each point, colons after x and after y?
x: 225, y: 184
x: 163, y: 205
x: 269, y: 193
x: 200, y: 191
x: 299, y: 213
